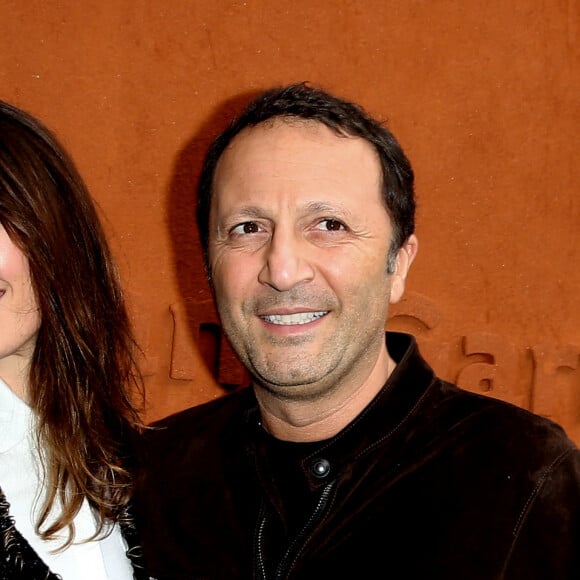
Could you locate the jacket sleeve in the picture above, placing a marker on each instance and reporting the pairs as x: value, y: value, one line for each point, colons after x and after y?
x: 546, y: 542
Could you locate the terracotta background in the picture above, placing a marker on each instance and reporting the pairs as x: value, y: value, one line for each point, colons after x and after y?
x: 484, y: 97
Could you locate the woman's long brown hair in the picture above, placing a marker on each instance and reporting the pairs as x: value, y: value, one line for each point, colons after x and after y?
x: 83, y: 374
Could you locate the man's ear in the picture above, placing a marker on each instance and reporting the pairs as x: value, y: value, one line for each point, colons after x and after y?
x: 405, y: 257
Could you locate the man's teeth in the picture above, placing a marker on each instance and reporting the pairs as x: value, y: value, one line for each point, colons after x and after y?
x: 298, y: 318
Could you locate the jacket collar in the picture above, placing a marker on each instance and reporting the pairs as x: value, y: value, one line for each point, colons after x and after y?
x: 394, y: 405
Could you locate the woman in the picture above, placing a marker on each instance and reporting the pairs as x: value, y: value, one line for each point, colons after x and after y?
x: 67, y: 371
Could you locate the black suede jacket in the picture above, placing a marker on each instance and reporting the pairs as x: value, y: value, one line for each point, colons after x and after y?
x: 429, y: 482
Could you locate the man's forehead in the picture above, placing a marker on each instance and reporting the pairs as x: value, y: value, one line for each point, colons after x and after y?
x: 292, y: 136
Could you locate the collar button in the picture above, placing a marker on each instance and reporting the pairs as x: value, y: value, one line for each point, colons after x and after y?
x: 320, y: 468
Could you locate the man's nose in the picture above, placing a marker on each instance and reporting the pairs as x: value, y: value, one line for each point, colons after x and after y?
x: 286, y: 261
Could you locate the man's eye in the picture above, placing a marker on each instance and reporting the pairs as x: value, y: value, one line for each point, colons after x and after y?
x: 330, y: 225
x: 246, y: 228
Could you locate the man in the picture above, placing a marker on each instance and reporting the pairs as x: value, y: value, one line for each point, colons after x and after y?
x: 347, y: 458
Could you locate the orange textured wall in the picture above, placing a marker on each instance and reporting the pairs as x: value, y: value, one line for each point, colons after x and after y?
x: 484, y: 97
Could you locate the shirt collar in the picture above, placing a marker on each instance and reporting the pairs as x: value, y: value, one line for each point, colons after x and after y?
x: 15, y: 418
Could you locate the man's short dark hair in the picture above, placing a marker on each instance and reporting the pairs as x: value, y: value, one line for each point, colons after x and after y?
x: 300, y: 101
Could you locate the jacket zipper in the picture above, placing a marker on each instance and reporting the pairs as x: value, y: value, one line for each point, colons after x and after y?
x: 258, y: 547
x: 297, y: 544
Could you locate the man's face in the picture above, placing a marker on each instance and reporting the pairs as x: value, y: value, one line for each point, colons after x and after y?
x: 298, y: 247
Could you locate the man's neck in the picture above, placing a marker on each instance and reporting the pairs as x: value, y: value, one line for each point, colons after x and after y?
x: 316, y: 420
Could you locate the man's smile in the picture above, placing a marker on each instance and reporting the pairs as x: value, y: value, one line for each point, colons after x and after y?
x: 294, y: 319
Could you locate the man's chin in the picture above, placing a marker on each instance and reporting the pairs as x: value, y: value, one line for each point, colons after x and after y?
x: 291, y: 386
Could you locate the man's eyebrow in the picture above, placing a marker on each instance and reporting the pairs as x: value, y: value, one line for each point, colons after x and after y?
x: 324, y: 207
x: 248, y: 211
x: 319, y: 206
